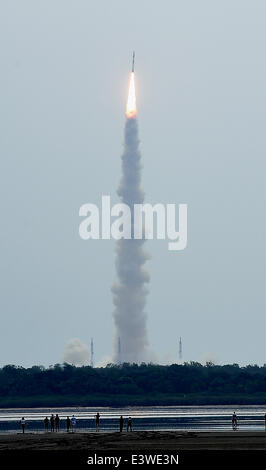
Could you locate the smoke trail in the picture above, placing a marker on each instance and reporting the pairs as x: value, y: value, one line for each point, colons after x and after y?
x: 129, y: 293
x: 76, y: 353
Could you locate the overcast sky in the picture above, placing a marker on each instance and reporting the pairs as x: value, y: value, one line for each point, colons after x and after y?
x: 201, y: 80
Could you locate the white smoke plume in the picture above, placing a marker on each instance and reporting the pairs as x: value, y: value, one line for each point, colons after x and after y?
x: 209, y: 357
x: 130, y: 291
x: 76, y: 353
x: 104, y: 361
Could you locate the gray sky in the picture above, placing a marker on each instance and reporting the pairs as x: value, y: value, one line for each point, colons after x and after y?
x: 201, y: 81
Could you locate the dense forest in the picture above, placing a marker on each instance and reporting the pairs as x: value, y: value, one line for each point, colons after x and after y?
x: 145, y: 384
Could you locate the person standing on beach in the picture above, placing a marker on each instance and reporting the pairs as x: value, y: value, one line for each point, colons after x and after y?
x: 52, y: 423
x: 57, y: 423
x: 68, y: 423
x: 121, y: 422
x: 97, y: 420
x: 129, y: 424
x: 234, y: 421
x: 73, y: 423
x: 46, y: 424
x: 23, y: 424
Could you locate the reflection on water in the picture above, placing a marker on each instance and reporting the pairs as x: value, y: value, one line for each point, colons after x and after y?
x: 168, y: 418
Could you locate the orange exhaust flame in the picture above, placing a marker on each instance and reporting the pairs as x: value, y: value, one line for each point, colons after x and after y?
x: 131, y: 111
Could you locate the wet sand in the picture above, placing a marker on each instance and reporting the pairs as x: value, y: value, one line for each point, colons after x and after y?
x: 135, y: 441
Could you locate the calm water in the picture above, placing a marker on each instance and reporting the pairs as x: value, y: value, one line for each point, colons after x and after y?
x: 185, y: 418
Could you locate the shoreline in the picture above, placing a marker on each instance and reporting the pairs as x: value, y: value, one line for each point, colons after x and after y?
x: 135, y: 441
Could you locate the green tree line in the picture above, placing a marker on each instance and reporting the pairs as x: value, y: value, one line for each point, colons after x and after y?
x: 189, y: 383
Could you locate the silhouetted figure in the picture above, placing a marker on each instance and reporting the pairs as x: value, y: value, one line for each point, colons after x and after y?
x: 121, y: 422
x: 97, y: 420
x: 46, y: 424
x: 234, y: 421
x: 57, y: 423
x: 68, y: 424
x: 129, y: 424
x: 73, y: 423
x: 52, y: 423
x: 23, y: 424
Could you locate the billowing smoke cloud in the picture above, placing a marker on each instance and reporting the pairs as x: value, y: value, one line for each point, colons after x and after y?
x: 104, y: 361
x: 209, y: 357
x: 129, y: 293
x: 76, y: 353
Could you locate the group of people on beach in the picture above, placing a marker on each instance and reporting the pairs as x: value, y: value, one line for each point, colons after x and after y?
x: 121, y: 423
x: 71, y: 423
x: 54, y: 423
x: 129, y: 423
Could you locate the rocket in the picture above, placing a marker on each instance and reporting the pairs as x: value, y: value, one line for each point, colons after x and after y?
x: 133, y: 62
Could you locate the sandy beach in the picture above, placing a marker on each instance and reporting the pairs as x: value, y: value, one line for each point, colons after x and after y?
x: 135, y: 441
